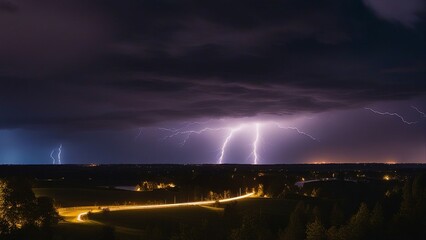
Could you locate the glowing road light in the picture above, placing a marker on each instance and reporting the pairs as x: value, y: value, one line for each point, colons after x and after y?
x: 225, y: 143
x: 80, y: 217
x: 391, y: 114
x: 80, y: 212
x: 418, y: 110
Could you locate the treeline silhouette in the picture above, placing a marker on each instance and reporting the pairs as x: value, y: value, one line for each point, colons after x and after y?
x: 401, y: 214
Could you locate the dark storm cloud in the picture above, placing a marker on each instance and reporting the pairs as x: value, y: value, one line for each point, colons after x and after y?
x: 405, y: 12
x: 49, y: 37
x: 7, y: 6
x: 111, y: 64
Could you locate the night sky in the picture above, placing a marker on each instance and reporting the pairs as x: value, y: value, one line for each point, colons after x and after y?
x: 174, y: 81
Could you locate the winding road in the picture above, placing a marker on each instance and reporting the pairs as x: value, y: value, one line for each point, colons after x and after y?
x: 76, y: 214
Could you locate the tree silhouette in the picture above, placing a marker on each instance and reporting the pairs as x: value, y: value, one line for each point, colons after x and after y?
x: 315, y: 231
x: 410, y: 221
x: 253, y: 227
x: 337, y: 216
x: 358, y: 225
x: 295, y: 229
x: 17, y: 205
x: 46, y: 212
x: 21, y: 213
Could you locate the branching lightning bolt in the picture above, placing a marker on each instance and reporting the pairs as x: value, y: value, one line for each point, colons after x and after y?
x: 255, y: 143
x: 139, y: 134
x: 188, y: 133
x: 56, y: 161
x: 298, y: 131
x: 391, y: 114
x: 178, y: 131
x: 59, y: 154
x: 174, y: 131
x: 225, y: 143
x: 418, y: 110
x: 51, y: 156
x: 231, y: 132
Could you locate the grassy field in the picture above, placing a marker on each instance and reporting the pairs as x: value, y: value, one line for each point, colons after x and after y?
x: 70, y: 197
x: 169, y: 221
x: 137, y: 224
x: 71, y: 231
x: 268, y: 205
x: 94, y: 231
x: 139, y: 219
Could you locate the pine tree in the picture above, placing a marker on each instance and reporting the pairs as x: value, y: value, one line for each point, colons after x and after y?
x: 315, y: 231
x: 358, y: 226
x: 295, y: 229
x: 337, y: 216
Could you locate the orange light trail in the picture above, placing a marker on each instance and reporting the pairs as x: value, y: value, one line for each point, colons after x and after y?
x: 78, y: 213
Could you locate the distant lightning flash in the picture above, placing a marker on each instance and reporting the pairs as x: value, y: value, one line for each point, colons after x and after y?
x: 418, y: 110
x: 391, y: 114
x: 188, y: 133
x: 139, y: 134
x: 256, y: 141
x: 178, y: 131
x: 51, y: 156
x: 297, y: 130
x: 225, y: 143
x: 59, y: 154
x: 231, y: 132
x: 56, y: 161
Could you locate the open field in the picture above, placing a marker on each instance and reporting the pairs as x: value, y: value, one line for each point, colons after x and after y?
x: 132, y: 224
x: 67, y: 197
x: 191, y: 214
x: 140, y: 219
x: 93, y: 231
x: 172, y: 220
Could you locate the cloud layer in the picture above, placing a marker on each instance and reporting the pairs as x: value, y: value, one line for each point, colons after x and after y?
x: 115, y: 65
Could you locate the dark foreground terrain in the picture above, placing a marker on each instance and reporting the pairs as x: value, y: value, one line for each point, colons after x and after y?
x: 327, y: 201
